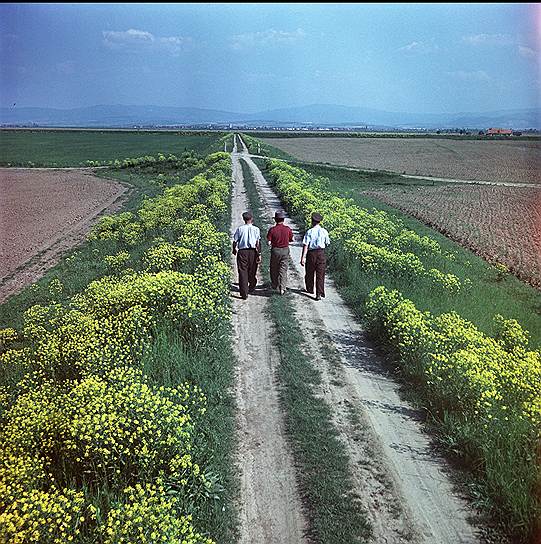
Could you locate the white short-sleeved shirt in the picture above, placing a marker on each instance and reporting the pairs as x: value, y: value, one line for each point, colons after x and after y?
x: 316, y: 238
x: 247, y: 236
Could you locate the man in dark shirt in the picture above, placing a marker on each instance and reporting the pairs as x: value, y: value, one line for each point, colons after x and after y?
x: 279, y: 237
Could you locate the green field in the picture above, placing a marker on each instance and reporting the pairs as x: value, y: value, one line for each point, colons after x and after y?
x: 75, y: 147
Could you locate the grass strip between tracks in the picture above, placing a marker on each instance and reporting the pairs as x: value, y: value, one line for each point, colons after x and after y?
x: 335, y: 515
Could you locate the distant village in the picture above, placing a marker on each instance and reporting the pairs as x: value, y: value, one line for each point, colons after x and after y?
x: 492, y: 132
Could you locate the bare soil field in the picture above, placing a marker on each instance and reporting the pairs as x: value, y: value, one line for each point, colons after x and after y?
x: 502, y: 224
x: 512, y: 161
x: 43, y: 213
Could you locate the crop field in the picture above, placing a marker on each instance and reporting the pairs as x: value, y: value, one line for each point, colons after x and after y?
x: 76, y: 147
x: 502, y: 224
x: 495, y: 161
x: 47, y: 212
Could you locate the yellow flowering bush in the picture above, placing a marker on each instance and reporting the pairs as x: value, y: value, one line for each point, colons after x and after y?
x: 111, y: 227
x: 7, y: 337
x: 204, y: 196
x: 44, y: 517
x: 468, y: 369
x: 149, y: 516
x: 203, y: 238
x: 92, y: 450
x: 191, y: 300
x: 115, y: 429
x: 488, y: 390
x: 375, y: 240
x: 67, y: 343
x: 116, y: 262
x: 120, y: 429
x: 166, y: 256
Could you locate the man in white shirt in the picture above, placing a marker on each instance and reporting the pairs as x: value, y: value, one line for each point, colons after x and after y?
x: 314, y: 243
x: 247, y: 248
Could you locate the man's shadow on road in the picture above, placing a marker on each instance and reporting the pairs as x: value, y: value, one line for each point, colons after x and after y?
x: 262, y: 290
x: 265, y: 290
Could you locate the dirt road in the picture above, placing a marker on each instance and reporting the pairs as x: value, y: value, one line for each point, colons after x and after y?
x: 404, y: 485
x: 270, y: 507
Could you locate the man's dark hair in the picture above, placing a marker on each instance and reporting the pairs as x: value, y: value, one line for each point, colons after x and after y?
x: 247, y: 216
x: 317, y: 218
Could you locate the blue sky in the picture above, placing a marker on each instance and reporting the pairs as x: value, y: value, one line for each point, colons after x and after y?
x: 247, y: 57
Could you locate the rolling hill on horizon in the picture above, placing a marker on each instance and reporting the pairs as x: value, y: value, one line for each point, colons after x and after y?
x: 315, y: 114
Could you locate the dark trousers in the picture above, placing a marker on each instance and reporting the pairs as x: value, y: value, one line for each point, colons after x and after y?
x: 247, y: 265
x: 278, y: 267
x: 316, y: 263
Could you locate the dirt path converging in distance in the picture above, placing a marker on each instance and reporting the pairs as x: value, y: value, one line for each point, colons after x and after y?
x: 44, y: 213
x: 270, y: 507
x: 403, y: 484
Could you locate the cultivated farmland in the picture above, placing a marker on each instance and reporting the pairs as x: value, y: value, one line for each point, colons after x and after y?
x: 76, y: 147
x: 45, y: 212
x: 497, y: 161
x: 502, y: 224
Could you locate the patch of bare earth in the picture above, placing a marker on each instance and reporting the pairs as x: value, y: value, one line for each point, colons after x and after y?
x: 44, y: 213
x: 403, y: 484
x: 270, y: 507
x: 512, y: 161
x: 501, y: 224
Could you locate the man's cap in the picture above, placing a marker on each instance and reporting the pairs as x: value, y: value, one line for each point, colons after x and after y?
x: 317, y: 217
x: 279, y: 215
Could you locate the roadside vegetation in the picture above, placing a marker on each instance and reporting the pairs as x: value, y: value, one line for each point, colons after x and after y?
x: 494, y: 289
x: 452, y: 328
x: 258, y: 147
x: 117, y: 422
x: 335, y: 514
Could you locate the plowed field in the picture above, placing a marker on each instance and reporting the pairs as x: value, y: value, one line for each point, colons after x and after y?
x: 501, y: 224
x: 42, y: 214
x: 512, y: 161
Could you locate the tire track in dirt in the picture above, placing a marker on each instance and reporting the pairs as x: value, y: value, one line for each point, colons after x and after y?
x: 403, y: 483
x: 270, y: 507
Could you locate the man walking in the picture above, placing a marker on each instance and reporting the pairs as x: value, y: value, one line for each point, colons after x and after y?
x: 247, y: 248
x: 279, y: 238
x: 314, y: 243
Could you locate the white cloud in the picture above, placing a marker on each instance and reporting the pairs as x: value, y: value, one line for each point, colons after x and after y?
x: 526, y: 52
x: 477, y: 75
x: 501, y: 40
x: 267, y: 38
x: 133, y: 40
x: 126, y: 38
x: 419, y: 47
x: 175, y: 44
x: 489, y: 39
